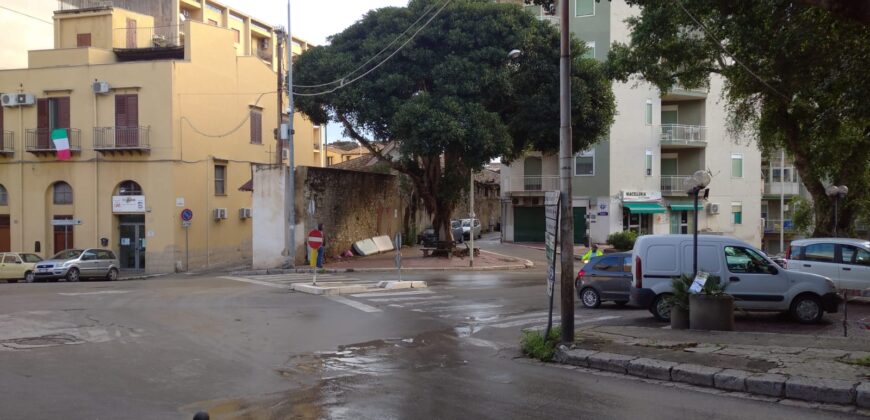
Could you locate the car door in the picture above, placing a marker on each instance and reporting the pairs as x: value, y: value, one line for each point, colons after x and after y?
x: 89, y: 264
x: 4, y: 271
x: 818, y: 258
x: 607, y: 276
x: 15, y: 266
x: 754, y: 281
x: 854, y: 268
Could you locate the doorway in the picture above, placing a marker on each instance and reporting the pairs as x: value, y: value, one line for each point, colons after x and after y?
x: 132, y: 242
x: 5, y: 236
x: 63, y: 235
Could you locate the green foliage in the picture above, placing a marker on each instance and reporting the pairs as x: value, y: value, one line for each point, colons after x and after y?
x: 534, y: 345
x: 802, y: 215
x: 713, y: 286
x: 681, y: 285
x: 623, y: 241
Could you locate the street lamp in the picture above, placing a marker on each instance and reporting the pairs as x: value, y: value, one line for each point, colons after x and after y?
x: 694, y: 185
x: 837, y: 193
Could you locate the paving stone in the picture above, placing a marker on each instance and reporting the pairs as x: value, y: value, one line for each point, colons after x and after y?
x: 610, y: 361
x: 576, y: 357
x: 862, y: 397
x: 731, y: 379
x: 820, y: 390
x: 651, y: 368
x: 694, y: 374
x: 766, y: 384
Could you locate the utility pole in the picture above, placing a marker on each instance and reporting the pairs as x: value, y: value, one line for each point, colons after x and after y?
x: 279, y: 38
x: 567, y: 224
x: 471, y: 206
x: 290, y: 179
x: 781, y: 201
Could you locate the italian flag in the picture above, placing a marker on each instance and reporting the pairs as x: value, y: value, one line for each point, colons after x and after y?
x: 61, y: 143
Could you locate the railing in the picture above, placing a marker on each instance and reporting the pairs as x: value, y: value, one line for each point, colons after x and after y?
x: 148, y: 37
x: 776, y: 226
x: 777, y: 188
x: 673, y: 184
x: 316, y: 145
x: 685, y: 135
x: 7, y: 143
x: 39, y: 140
x: 122, y: 138
x: 532, y: 183
x: 265, y: 55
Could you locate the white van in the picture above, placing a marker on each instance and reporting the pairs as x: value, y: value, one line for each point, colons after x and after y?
x: 755, y: 281
x: 845, y: 261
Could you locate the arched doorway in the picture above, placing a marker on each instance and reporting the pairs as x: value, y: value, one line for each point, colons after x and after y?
x: 129, y: 207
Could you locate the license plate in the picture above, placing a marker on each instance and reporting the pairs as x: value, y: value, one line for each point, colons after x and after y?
x: 44, y: 270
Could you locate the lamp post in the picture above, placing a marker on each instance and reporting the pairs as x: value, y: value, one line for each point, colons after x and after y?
x: 694, y: 185
x: 837, y: 193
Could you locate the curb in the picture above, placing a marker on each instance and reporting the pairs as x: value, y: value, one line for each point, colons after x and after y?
x: 143, y: 276
x: 827, y: 391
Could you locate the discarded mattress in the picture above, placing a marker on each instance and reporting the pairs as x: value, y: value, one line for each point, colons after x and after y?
x: 365, y: 247
x: 383, y: 243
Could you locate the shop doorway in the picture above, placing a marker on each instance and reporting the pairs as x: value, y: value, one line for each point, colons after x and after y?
x: 63, y: 235
x: 132, y: 241
x: 5, y: 236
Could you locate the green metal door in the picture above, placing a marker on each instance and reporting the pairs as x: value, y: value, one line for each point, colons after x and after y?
x: 529, y: 224
x: 579, y: 225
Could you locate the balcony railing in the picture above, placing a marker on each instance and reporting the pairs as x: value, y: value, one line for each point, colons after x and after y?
x: 265, y: 55
x: 122, y: 138
x: 148, y: 37
x: 532, y: 183
x: 673, y: 184
x: 7, y: 143
x: 38, y: 140
x: 776, y: 226
x: 683, y: 135
x: 777, y: 188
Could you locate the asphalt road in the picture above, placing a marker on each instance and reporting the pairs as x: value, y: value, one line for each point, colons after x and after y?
x: 167, y: 347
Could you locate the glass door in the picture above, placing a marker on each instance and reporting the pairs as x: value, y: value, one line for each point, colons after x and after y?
x: 132, y: 246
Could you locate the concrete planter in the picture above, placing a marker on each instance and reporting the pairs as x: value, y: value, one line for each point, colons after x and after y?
x: 679, y: 318
x: 711, y: 312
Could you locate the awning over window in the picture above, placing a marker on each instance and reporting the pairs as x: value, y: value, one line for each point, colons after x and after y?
x: 685, y: 206
x: 644, y: 208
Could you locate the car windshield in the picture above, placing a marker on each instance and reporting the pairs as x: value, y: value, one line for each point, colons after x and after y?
x: 466, y: 223
x: 31, y: 258
x: 455, y: 224
x: 67, y: 254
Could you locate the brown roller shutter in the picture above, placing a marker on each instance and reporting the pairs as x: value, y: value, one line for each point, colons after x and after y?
x: 127, y: 120
x: 42, y: 124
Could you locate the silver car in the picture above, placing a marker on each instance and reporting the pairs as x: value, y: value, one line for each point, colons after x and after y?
x: 76, y: 264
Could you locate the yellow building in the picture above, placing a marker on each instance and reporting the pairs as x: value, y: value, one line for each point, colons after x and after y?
x: 158, y: 121
x: 336, y: 155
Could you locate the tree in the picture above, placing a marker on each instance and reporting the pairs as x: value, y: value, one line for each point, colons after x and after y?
x: 859, y: 10
x: 795, y: 78
x: 451, y: 99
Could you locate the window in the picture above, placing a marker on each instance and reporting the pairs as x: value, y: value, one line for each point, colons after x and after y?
x: 329, y: 161
x: 609, y: 264
x: 4, y: 196
x: 89, y: 256
x: 746, y: 260
x: 237, y: 36
x: 83, y: 40
x: 212, y: 22
x: 854, y: 255
x: 737, y: 213
x: 648, y: 163
x: 590, y: 50
x: 584, y: 163
x: 10, y: 259
x: 256, y: 126
x: 584, y: 8
x: 63, y: 193
x: 736, y: 165
x: 129, y: 188
x: 647, y: 117
x: 819, y: 252
x: 220, y: 180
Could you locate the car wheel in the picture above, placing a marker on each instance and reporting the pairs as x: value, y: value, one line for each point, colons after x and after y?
x: 112, y: 275
x: 29, y: 277
x: 806, y: 309
x: 660, y: 308
x: 590, y: 298
x: 73, y: 275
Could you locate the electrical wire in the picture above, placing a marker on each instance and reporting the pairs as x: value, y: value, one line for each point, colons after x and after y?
x: 236, y: 128
x: 422, y: 15
x: 26, y: 15
x: 343, y: 84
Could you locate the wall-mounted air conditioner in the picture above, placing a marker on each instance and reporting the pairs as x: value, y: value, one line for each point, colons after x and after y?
x: 100, y: 87
x: 244, y: 213
x: 220, y: 213
x: 713, y: 208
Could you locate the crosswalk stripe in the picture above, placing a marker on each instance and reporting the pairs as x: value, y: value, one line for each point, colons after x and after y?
x: 438, y: 300
x: 408, y: 298
x: 252, y: 281
x: 521, y: 322
x: 384, y: 294
x: 459, y: 307
x: 353, y: 304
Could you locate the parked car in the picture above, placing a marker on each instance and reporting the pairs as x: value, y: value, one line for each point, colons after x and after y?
x: 77, y: 264
x: 429, y: 238
x: 467, y: 229
x: 755, y: 281
x: 16, y: 266
x: 845, y: 261
x: 604, y: 278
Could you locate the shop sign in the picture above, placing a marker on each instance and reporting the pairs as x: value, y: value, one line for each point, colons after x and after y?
x: 641, y: 196
x: 128, y: 204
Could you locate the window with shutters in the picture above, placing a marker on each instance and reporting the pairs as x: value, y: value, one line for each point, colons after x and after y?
x: 256, y: 126
x: 83, y: 40
x: 736, y: 165
x: 51, y: 114
x: 4, y: 196
x: 220, y: 179
x: 127, y: 120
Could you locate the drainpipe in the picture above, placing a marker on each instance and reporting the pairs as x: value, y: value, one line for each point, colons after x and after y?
x: 21, y: 172
x: 96, y: 178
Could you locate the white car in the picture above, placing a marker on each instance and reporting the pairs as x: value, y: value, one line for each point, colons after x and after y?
x: 845, y: 261
x: 755, y: 281
x: 467, y: 230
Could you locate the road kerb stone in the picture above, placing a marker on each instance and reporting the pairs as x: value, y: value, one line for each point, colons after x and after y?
x: 770, y: 384
x: 651, y: 368
x: 862, y: 395
x: 820, y: 390
x: 731, y: 380
x: 577, y: 357
x: 610, y: 361
x: 694, y: 374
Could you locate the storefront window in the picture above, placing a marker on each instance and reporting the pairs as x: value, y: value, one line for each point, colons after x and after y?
x: 637, y: 223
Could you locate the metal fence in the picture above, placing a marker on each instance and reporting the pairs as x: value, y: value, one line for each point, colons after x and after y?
x: 683, y: 134
x: 7, y: 142
x: 148, y: 37
x: 532, y: 183
x: 673, y: 184
x: 39, y: 139
x: 122, y: 138
x: 90, y: 4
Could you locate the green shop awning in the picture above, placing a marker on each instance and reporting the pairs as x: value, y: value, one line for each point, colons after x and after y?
x: 685, y: 206
x: 644, y: 208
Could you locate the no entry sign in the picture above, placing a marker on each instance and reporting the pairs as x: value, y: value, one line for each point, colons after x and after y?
x: 315, y: 239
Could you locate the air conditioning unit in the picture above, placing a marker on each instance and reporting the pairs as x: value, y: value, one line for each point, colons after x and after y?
x: 244, y: 213
x: 713, y: 208
x: 101, y: 87
x: 220, y: 213
x: 25, y: 99
x: 9, y: 99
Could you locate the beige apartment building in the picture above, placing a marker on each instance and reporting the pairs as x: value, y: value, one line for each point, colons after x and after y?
x: 164, y: 112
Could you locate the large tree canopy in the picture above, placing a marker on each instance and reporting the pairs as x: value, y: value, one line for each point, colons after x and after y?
x: 795, y: 76
x: 452, y: 92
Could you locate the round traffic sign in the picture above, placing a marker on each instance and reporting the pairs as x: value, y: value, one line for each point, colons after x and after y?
x: 315, y: 239
x: 187, y: 215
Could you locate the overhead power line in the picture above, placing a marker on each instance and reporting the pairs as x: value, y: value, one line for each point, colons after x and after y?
x: 27, y: 15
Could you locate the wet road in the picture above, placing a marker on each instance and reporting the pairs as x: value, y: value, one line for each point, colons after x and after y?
x: 166, y: 347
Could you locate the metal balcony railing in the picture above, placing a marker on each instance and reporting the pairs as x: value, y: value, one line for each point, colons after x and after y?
x: 532, y: 183
x: 148, y: 37
x: 776, y: 226
x: 777, y: 188
x: 122, y: 138
x: 38, y: 140
x: 683, y: 135
x: 673, y: 184
x: 7, y: 143
x: 265, y: 55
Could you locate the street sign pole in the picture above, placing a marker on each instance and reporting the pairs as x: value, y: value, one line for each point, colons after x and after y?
x: 399, y: 254
x: 315, y: 242
x: 552, y: 204
x: 186, y: 218
x: 565, y: 166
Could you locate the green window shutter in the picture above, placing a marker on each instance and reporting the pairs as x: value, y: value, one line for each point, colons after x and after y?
x: 737, y: 166
x: 584, y: 7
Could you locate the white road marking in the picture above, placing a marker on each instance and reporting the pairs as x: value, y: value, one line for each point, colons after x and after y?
x: 439, y: 300
x: 353, y: 304
x: 409, y: 298
x: 481, y: 343
x: 522, y: 322
x: 102, y: 292
x: 459, y: 307
x: 582, y: 321
x: 257, y: 282
x: 383, y: 294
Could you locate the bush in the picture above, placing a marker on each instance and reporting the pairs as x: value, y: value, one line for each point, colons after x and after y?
x: 534, y: 345
x: 623, y: 241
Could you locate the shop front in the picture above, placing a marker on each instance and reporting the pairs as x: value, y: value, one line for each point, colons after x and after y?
x: 129, y: 209
x: 638, y: 209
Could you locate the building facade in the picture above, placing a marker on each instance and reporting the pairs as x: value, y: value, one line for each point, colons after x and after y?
x: 633, y: 180
x: 156, y: 123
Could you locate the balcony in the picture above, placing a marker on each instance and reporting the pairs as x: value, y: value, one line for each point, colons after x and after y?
x: 778, y: 188
x: 776, y: 226
x: 265, y: 55
x: 122, y: 139
x: 7, y: 144
x: 672, y: 185
x: 536, y: 184
x: 38, y: 141
x: 680, y: 93
x: 683, y: 136
x: 144, y: 43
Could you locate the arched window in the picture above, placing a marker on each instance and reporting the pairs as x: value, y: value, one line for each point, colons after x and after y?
x: 129, y: 188
x: 63, y: 193
x: 4, y: 196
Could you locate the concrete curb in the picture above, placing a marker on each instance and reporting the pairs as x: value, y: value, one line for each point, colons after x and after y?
x: 827, y: 391
x: 142, y: 277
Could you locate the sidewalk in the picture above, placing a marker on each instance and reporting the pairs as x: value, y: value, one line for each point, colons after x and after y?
x: 579, y: 250
x: 828, y: 370
x: 412, y: 259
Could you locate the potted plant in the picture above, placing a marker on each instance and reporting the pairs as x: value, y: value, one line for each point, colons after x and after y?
x: 679, y: 302
x: 711, y: 308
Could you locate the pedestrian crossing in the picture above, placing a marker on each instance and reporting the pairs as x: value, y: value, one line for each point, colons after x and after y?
x: 287, y: 280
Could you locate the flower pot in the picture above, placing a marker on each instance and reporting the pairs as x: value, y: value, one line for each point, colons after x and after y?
x: 679, y: 318
x: 711, y: 312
